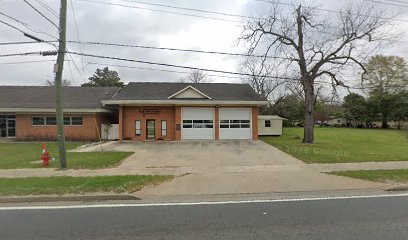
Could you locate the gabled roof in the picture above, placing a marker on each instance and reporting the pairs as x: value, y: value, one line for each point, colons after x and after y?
x: 43, y: 97
x: 160, y: 91
x: 189, y: 92
x: 270, y: 117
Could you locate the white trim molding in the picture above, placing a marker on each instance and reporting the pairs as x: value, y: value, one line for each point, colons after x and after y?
x: 189, y: 87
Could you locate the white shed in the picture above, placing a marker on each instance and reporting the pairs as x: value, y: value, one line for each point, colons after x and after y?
x: 270, y: 125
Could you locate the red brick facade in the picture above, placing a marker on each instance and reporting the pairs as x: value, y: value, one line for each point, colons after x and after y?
x: 89, y: 131
x: 171, y: 114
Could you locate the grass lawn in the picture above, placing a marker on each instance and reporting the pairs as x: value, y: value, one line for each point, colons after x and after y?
x: 20, y: 155
x: 400, y: 175
x: 342, y: 145
x: 77, y: 185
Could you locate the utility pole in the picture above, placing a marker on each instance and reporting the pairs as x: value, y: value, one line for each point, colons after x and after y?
x: 58, y: 83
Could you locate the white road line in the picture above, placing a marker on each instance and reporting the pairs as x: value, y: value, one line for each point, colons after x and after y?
x: 200, y: 203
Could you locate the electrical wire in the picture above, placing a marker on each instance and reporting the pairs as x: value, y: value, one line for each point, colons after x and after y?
x: 158, y: 10
x: 39, y: 12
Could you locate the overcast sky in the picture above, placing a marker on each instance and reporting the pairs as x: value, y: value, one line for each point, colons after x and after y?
x: 118, y: 24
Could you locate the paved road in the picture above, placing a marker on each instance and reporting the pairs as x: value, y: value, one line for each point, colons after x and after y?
x: 379, y: 218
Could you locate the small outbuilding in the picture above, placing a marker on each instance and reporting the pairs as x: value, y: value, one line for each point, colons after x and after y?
x: 270, y: 125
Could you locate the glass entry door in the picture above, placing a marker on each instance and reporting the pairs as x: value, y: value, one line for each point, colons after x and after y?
x: 150, y: 129
x: 7, y: 125
x: 11, y: 127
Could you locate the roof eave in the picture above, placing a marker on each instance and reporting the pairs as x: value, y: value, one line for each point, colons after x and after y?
x: 52, y: 110
x: 184, y: 102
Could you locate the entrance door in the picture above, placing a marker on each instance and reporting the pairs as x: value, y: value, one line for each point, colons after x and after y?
x: 3, y: 126
x: 150, y: 129
x: 11, y: 127
x: 7, y: 125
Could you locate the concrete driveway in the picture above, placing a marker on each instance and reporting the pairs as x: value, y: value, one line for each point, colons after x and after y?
x: 227, y: 167
x: 200, y: 156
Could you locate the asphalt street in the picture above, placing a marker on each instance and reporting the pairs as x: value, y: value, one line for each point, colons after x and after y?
x: 372, y: 218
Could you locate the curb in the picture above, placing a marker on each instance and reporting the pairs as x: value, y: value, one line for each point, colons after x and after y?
x: 80, y: 198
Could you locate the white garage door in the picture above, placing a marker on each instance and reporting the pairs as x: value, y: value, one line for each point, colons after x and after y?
x: 197, y: 123
x: 235, y: 123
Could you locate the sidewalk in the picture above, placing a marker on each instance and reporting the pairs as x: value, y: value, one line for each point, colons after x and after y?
x: 331, y: 167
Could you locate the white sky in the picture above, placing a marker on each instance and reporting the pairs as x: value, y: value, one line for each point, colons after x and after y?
x: 107, y: 23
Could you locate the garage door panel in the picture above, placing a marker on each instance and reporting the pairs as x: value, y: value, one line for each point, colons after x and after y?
x: 235, y: 123
x: 197, y: 123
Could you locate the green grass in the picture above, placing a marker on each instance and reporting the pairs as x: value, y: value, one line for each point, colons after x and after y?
x: 20, y: 155
x: 342, y: 145
x: 400, y: 175
x: 77, y: 185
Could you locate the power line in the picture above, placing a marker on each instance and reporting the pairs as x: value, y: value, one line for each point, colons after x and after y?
x: 159, y: 10
x: 48, y: 8
x: 22, y: 54
x: 39, y: 12
x: 173, y: 49
x: 77, y: 32
x: 397, y: 4
x: 189, y: 9
x: 171, y: 65
x: 24, y: 62
x: 156, y: 69
x: 14, y: 27
x: 26, y: 25
x: 334, y: 11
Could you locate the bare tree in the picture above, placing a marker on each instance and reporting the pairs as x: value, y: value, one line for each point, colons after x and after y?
x: 197, y: 76
x: 65, y: 83
x: 317, y: 48
x: 257, y: 75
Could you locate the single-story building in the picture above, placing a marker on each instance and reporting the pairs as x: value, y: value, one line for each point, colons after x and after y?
x: 270, y: 125
x: 181, y: 111
x: 142, y: 110
x: 337, y: 121
x: 28, y: 112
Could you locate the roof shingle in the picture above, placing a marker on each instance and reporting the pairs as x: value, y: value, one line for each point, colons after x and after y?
x: 162, y: 90
x: 44, y: 96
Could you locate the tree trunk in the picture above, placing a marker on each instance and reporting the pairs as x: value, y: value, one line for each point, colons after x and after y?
x: 309, y: 111
x: 384, y: 123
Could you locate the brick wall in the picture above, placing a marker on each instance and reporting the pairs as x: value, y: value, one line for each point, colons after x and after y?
x: 89, y: 131
x: 131, y: 114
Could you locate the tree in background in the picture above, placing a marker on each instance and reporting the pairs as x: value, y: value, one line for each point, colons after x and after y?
x: 197, y: 76
x: 65, y: 83
x: 317, y: 48
x: 355, y: 109
x: 104, y: 78
x: 386, y: 76
x: 257, y: 73
x: 289, y: 107
x: 400, y: 108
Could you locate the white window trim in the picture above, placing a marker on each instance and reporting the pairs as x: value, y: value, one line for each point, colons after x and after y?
x: 164, y: 128
x: 138, y: 129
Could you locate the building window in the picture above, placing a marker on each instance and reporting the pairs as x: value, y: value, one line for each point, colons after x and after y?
x: 52, y: 121
x: 38, y: 121
x: 76, y: 121
x: 267, y: 123
x: 235, y: 124
x: 138, y: 130
x: 164, y: 128
x: 198, y: 123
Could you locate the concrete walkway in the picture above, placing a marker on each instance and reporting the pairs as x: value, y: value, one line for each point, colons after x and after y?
x: 222, y: 167
x: 331, y: 167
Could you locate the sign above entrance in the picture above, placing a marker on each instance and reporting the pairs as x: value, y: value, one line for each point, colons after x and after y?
x: 149, y: 111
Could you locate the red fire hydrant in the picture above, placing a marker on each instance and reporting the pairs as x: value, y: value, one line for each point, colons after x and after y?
x: 45, y: 156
